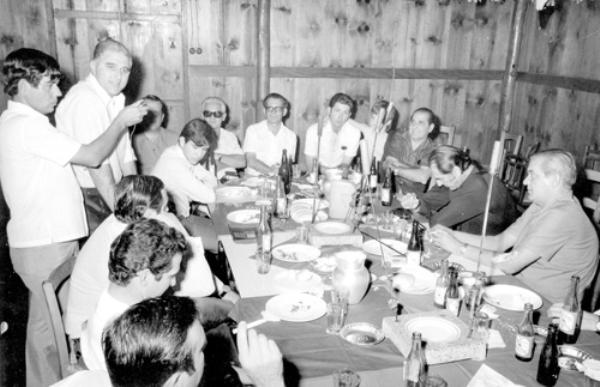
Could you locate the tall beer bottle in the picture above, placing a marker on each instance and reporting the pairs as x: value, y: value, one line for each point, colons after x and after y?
x: 570, y: 316
x: 284, y: 172
x: 415, y: 365
x: 264, y: 242
x: 373, y: 176
x: 386, y: 189
x: 452, y: 293
x: 441, y: 285
x: 548, y: 368
x: 413, y: 250
x: 525, y: 335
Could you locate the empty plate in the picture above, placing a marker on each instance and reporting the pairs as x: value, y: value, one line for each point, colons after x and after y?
x: 434, y: 329
x: 248, y: 216
x: 511, y: 297
x: 333, y: 228
x: 424, y: 282
x: 375, y: 247
x: 296, y: 307
x: 296, y: 252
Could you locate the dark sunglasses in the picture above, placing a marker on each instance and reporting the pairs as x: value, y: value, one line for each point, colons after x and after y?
x: 208, y: 113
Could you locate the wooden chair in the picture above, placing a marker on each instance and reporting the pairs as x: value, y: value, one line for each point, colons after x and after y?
x: 51, y: 287
x: 511, y: 146
x: 591, y: 163
x: 447, y: 134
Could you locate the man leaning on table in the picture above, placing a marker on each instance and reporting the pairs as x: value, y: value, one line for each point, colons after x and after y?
x: 45, y: 202
x: 549, y: 243
x: 265, y: 141
x: 87, y: 110
x: 340, y: 136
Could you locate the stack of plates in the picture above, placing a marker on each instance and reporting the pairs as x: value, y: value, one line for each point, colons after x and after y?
x: 245, y: 217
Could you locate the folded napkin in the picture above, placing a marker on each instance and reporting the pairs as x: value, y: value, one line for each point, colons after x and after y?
x: 488, y: 377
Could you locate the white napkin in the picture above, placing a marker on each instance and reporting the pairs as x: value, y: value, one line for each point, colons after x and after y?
x: 495, y: 339
x: 488, y: 377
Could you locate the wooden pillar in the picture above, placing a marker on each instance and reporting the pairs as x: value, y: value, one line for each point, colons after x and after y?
x: 263, y: 66
x: 510, y: 73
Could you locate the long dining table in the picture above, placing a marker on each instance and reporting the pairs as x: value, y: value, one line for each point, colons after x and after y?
x: 312, y: 356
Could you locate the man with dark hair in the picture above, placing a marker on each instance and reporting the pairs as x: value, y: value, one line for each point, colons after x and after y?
x: 45, y: 202
x: 265, y: 141
x: 89, y: 108
x: 143, y: 263
x: 553, y: 239
x: 159, y: 342
x: 407, y: 152
x: 339, y: 137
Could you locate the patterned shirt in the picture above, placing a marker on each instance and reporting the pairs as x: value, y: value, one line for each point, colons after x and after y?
x: 398, y: 145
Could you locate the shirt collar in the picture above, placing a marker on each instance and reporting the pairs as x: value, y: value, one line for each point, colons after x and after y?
x: 22, y: 108
x: 104, y: 96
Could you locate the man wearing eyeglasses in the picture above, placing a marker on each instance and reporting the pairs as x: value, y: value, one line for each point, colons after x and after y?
x: 229, y: 156
x: 265, y: 141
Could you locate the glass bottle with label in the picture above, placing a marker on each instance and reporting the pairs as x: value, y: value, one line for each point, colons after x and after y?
x: 413, y: 250
x: 264, y: 242
x: 313, y: 176
x: 548, y: 368
x: 280, y: 205
x: 373, y: 176
x: 441, y: 285
x: 386, y: 189
x: 452, y: 293
x: 525, y: 336
x: 415, y: 365
x: 284, y: 172
x: 570, y: 316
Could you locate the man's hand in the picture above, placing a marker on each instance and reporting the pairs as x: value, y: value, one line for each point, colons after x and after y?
x: 443, y: 237
x: 132, y: 114
x: 260, y: 357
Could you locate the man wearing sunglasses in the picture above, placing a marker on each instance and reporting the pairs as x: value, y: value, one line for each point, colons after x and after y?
x: 229, y: 156
x: 265, y: 141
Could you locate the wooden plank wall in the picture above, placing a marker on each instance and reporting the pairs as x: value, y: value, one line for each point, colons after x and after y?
x: 568, y: 46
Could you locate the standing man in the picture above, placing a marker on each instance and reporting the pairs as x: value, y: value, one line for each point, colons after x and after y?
x: 85, y: 113
x: 265, y: 141
x: 45, y: 202
x: 340, y: 136
x: 228, y: 156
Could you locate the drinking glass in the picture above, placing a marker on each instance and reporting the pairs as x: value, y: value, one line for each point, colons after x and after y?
x: 263, y: 262
x: 346, y: 378
x: 302, y: 233
x: 480, y: 331
x: 337, y: 309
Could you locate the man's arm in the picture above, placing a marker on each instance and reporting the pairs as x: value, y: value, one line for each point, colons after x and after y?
x: 104, y: 182
x: 233, y: 161
x: 258, y: 165
x: 417, y: 174
x: 260, y: 358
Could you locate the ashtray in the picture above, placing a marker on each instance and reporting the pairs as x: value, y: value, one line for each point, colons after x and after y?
x: 571, y: 358
x: 362, y: 333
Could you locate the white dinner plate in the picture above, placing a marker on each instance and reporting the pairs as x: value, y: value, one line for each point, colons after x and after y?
x: 511, y: 297
x: 234, y: 194
x: 308, y: 203
x: 247, y: 216
x: 295, y: 252
x: 304, y: 215
x: 296, y: 307
x: 374, y: 247
x: 333, y: 228
x: 434, y: 329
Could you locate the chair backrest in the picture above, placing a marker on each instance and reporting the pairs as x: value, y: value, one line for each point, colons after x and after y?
x: 447, y: 134
x: 591, y: 165
x: 51, y: 286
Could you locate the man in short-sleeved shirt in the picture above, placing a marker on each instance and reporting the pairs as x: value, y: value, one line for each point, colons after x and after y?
x: 552, y: 241
x: 340, y: 136
x: 86, y: 111
x: 265, y: 141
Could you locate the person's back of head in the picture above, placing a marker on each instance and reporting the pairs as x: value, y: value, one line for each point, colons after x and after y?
x: 135, y: 194
x: 157, y: 342
x: 391, y: 114
x: 148, y: 251
x: 28, y: 64
x: 446, y: 157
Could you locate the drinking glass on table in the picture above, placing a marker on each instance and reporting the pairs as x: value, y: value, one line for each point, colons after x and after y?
x: 480, y: 330
x: 346, y: 378
x: 337, y: 309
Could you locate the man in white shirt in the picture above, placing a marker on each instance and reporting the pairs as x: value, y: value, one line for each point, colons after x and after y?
x: 84, y: 114
x: 228, y: 156
x: 45, y: 202
x: 339, y: 138
x: 144, y: 261
x: 265, y: 141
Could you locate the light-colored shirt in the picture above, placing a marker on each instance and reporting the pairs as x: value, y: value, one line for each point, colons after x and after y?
x: 375, y: 142
x: 97, y: 378
x: 334, y: 146
x: 185, y: 182
x: 90, y: 273
x: 228, y: 145
x: 148, y: 151
x: 38, y: 183
x: 107, y: 310
x: 564, y: 243
x: 267, y: 146
x: 84, y: 114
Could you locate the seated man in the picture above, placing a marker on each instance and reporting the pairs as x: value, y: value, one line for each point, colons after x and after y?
x: 228, y: 156
x: 151, y: 137
x: 407, y: 152
x: 377, y: 132
x: 265, y: 141
x: 136, y: 197
x: 339, y: 139
x: 144, y: 262
x: 550, y: 242
x: 160, y: 342
x: 183, y: 169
